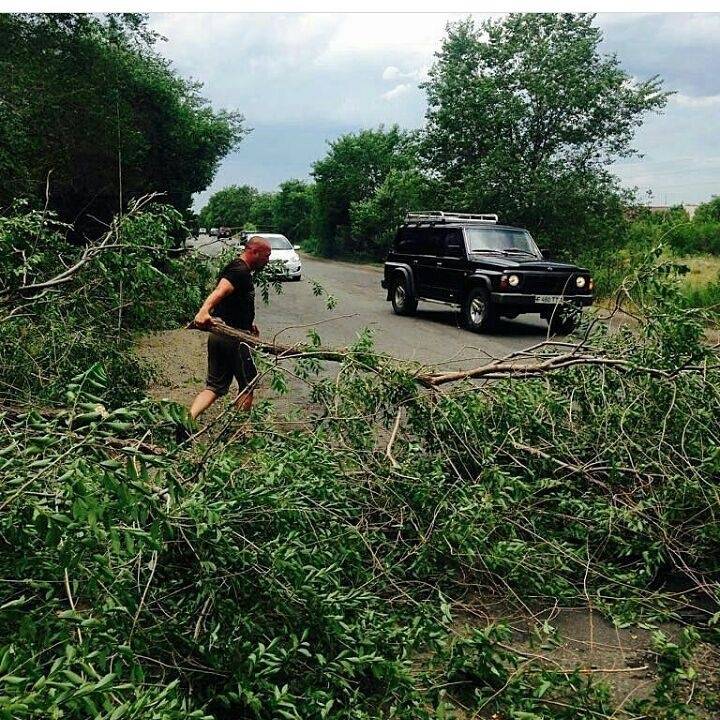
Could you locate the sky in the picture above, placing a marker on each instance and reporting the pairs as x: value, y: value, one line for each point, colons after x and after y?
x: 302, y: 80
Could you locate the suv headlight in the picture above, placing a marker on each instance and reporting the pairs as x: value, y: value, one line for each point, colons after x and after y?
x: 580, y: 282
x: 513, y: 280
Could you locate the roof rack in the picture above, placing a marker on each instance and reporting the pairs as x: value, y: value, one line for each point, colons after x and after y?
x: 439, y: 216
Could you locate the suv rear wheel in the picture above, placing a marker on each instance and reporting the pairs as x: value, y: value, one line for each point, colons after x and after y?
x: 478, y: 312
x: 402, y: 300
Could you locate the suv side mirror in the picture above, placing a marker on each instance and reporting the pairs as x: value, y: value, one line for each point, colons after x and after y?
x: 296, y: 247
x: 546, y: 253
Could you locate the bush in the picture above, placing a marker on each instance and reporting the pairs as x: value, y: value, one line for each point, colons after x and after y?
x: 134, y: 281
x: 708, y: 212
x: 707, y: 296
x: 695, y: 238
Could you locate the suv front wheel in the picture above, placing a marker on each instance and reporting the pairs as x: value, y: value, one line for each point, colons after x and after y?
x: 563, y: 320
x: 402, y: 300
x: 478, y: 312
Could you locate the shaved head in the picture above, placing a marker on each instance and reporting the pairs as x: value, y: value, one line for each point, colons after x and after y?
x: 256, y: 240
x: 257, y: 252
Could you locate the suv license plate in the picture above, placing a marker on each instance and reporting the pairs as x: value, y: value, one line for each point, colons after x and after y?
x: 549, y: 299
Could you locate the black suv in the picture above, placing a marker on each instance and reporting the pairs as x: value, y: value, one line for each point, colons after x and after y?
x: 484, y: 269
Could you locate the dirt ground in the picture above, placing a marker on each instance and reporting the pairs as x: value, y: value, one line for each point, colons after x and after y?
x: 179, y: 359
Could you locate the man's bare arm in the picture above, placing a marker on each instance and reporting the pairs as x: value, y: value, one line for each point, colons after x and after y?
x: 223, y: 289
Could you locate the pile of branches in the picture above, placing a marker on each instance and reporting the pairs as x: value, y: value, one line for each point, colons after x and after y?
x: 316, y: 568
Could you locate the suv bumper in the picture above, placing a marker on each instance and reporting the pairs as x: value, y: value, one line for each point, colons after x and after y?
x: 526, y: 300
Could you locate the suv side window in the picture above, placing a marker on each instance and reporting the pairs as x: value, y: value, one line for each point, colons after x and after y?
x: 408, y: 240
x: 453, y: 245
x: 419, y: 241
x: 428, y: 241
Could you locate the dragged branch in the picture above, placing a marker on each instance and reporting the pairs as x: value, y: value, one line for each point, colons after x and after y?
x: 217, y: 327
x: 510, y: 366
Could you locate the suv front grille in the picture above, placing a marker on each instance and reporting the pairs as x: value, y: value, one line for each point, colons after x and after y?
x: 547, y: 283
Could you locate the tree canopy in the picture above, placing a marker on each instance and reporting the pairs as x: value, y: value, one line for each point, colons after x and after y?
x: 231, y: 207
x: 354, y: 168
x: 90, y: 110
x: 525, y: 114
x: 292, y: 209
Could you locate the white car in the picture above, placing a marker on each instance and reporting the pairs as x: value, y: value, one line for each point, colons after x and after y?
x: 283, y: 251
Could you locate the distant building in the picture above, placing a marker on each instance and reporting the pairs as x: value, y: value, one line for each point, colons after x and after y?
x: 689, y: 208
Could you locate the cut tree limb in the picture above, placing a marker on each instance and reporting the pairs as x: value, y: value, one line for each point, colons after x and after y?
x: 511, y: 366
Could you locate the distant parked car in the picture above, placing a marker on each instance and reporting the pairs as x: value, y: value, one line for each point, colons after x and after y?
x: 202, y: 231
x: 213, y: 232
x: 281, y: 251
x: 484, y: 269
x: 224, y: 232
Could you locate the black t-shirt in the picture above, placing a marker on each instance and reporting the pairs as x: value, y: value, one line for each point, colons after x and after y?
x: 238, y: 308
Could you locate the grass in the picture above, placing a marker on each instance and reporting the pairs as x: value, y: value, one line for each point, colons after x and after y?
x: 704, y: 270
x: 702, y: 283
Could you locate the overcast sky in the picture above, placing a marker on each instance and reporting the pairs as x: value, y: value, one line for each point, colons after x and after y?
x: 304, y: 79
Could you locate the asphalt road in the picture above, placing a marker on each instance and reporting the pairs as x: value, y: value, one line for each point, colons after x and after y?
x: 433, y: 336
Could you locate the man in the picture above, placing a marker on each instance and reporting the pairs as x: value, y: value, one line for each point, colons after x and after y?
x: 233, y: 301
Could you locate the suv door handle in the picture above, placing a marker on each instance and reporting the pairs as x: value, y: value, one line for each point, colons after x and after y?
x: 439, y: 263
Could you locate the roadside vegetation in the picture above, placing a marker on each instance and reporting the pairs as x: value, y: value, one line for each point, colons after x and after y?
x: 339, y: 564
x: 92, y: 117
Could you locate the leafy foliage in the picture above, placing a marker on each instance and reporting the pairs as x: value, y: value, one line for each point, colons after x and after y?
x: 293, y: 210
x: 50, y: 334
x: 230, y: 207
x: 354, y: 169
x: 523, y: 116
x: 375, y: 220
x: 90, y: 110
x: 708, y: 212
x: 301, y: 574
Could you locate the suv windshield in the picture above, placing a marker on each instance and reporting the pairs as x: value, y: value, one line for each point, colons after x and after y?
x: 500, y: 240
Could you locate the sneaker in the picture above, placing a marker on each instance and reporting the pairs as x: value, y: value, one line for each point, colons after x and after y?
x: 182, y: 433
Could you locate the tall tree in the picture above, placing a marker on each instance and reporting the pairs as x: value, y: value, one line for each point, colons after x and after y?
x: 232, y: 207
x: 261, y: 212
x: 292, y: 209
x: 86, y: 101
x: 375, y: 220
x: 525, y: 114
x: 354, y: 168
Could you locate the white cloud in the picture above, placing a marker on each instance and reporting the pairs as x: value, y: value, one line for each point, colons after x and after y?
x: 391, y: 73
x: 397, y: 91
x: 394, y: 74
x: 696, y: 101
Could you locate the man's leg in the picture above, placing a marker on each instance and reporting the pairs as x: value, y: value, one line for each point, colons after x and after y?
x: 202, y: 402
x: 221, y: 358
x: 245, y: 373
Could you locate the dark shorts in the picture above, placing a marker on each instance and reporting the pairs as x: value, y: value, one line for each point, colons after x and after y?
x: 227, y: 359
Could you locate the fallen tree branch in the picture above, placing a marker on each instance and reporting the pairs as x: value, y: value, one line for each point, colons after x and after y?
x: 510, y: 366
x: 89, y: 253
x: 217, y: 327
x: 391, y: 442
